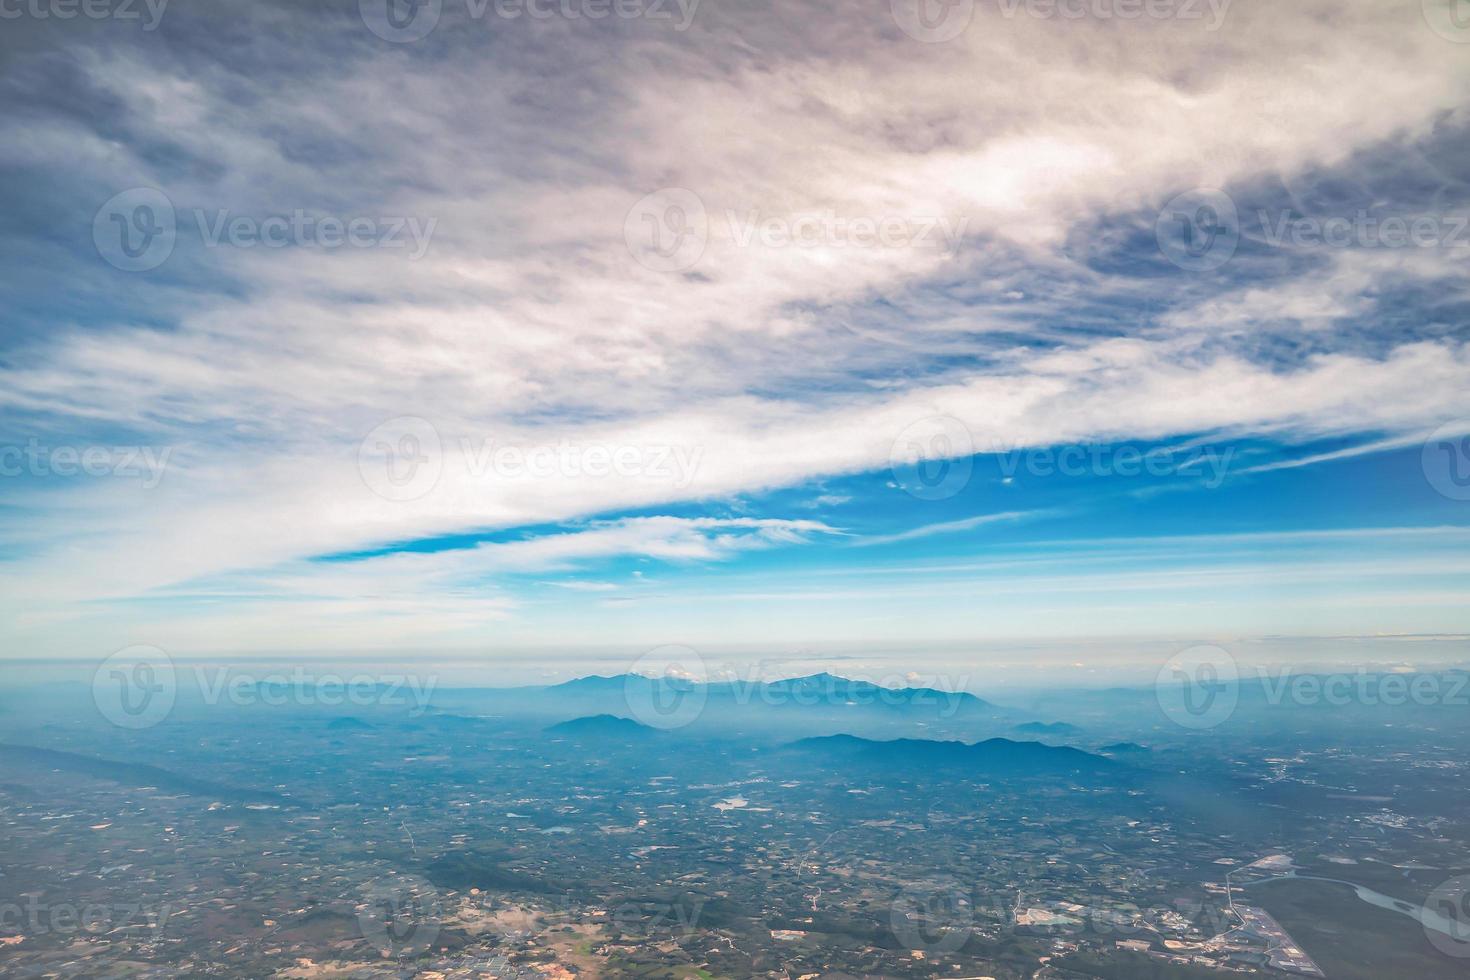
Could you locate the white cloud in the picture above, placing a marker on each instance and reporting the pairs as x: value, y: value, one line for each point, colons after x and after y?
x: 530, y: 322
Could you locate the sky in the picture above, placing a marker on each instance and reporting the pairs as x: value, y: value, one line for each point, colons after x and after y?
x: 1030, y: 331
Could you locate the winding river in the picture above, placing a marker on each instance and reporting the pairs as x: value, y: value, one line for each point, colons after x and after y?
x: 1426, y: 917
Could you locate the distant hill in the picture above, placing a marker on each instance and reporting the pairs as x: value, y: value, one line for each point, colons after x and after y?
x: 821, y: 690
x: 1047, y: 728
x: 992, y: 756
x: 592, y: 684
x: 810, y: 685
x: 610, y: 726
x: 1124, y: 748
x: 777, y: 710
x: 835, y: 689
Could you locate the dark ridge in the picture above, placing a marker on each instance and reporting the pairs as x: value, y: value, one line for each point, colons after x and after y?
x: 139, y: 775
x: 1047, y: 728
x: 1124, y: 748
x: 995, y: 755
x: 601, y: 725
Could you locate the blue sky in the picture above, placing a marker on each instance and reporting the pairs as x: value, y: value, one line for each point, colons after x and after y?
x: 782, y: 329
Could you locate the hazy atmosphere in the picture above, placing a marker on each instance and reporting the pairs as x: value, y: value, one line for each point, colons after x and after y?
x: 692, y: 489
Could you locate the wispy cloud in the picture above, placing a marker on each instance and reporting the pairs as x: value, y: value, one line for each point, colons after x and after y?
x: 947, y: 527
x: 1023, y: 292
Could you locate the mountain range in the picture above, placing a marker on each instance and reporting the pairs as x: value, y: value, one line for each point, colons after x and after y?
x: 993, y: 756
